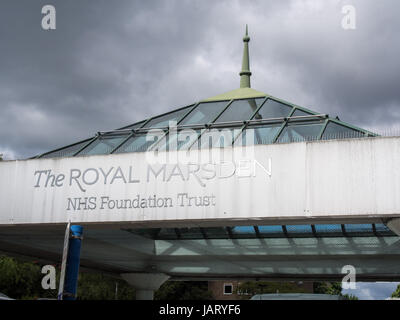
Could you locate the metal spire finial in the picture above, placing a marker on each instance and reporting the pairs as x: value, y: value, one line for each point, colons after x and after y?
x: 245, y: 73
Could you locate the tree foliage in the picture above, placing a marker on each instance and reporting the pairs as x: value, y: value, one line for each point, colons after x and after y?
x: 250, y: 288
x: 396, y: 293
x: 22, y: 280
x: 334, y: 288
x: 183, y: 290
x: 94, y: 286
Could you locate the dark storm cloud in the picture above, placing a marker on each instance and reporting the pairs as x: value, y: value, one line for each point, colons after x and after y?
x: 109, y: 64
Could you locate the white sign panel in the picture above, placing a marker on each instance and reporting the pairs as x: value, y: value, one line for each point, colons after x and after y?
x: 359, y: 177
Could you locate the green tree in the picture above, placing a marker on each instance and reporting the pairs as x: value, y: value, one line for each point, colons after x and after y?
x: 183, y: 290
x: 334, y: 288
x: 396, y: 293
x: 94, y: 286
x: 22, y: 280
x: 251, y: 288
x: 349, y: 297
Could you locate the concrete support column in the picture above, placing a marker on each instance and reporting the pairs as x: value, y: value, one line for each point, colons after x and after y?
x: 394, y: 225
x: 145, y: 283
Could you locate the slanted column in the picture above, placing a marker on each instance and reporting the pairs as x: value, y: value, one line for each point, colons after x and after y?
x: 145, y: 283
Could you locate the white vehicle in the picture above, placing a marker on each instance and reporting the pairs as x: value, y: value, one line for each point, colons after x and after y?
x: 295, y: 296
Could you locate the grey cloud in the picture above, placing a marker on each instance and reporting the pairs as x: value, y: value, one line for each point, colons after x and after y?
x: 109, y: 64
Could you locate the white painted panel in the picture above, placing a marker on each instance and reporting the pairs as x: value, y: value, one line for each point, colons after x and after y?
x: 357, y: 177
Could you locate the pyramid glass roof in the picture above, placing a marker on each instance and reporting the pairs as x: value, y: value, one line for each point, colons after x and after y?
x: 236, y: 113
x: 272, y: 121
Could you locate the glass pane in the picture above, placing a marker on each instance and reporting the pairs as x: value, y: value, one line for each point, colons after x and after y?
x: 263, y: 134
x: 358, y: 227
x: 336, y: 131
x: 216, y: 138
x: 215, y: 232
x: 298, y: 229
x: 167, y: 233
x: 135, y: 125
x: 244, y: 231
x: 328, y: 228
x: 380, y: 227
x: 183, y: 140
x: 300, y: 131
x: 190, y: 233
x: 66, y: 152
x: 300, y: 113
x: 205, y: 113
x: 264, y: 230
x: 240, y: 110
x: 163, y: 121
x: 138, y: 143
x: 273, y: 109
x: 103, y: 145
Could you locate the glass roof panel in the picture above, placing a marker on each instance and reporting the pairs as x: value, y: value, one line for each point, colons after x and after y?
x: 216, y: 138
x: 328, y: 228
x: 103, y: 144
x: 205, y: 113
x: 300, y: 113
x: 183, y: 140
x: 260, y: 134
x: 240, y: 110
x: 137, y: 143
x: 336, y: 131
x: 135, y: 125
x: 358, y: 227
x: 190, y: 233
x: 163, y: 120
x: 298, y: 229
x: 270, y: 229
x: 167, y: 233
x: 273, y: 109
x: 66, y: 152
x: 301, y: 131
x: 381, y: 228
x: 243, y: 232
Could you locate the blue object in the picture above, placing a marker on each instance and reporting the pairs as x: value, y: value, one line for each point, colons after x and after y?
x: 72, y: 269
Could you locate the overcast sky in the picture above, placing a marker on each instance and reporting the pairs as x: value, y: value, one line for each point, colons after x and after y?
x: 109, y: 64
